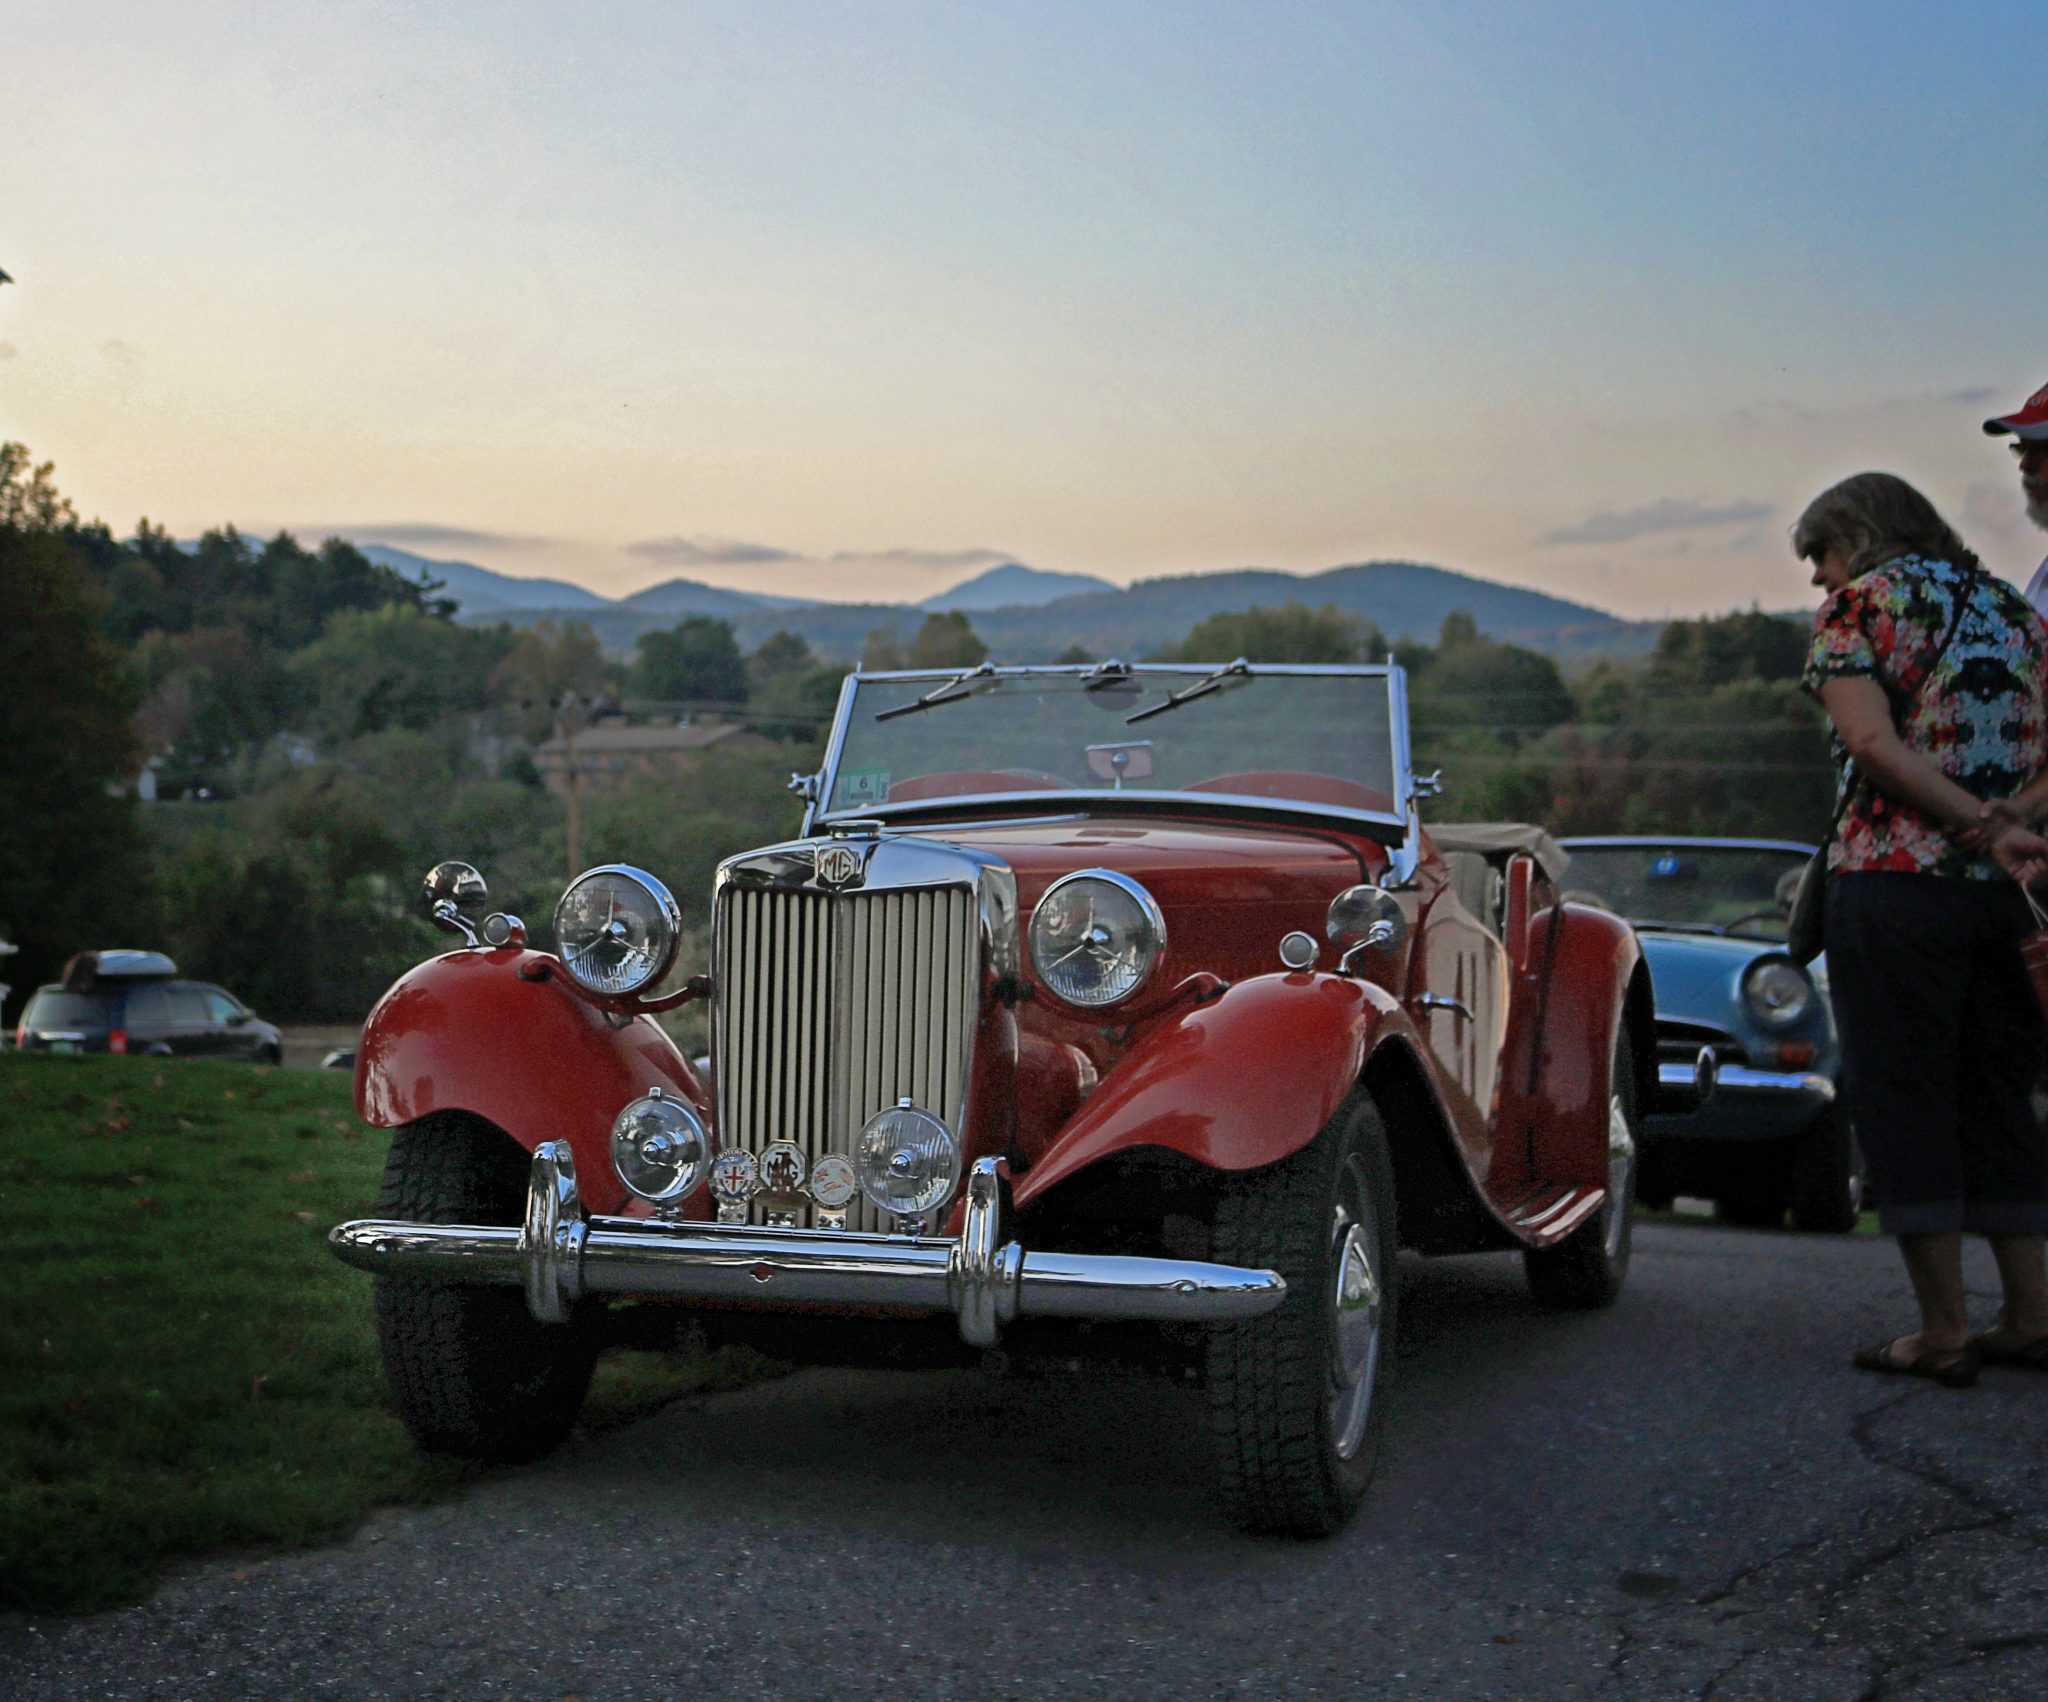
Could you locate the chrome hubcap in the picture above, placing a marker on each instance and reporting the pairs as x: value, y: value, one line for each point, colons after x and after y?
x: 1621, y: 1167
x: 1357, y: 1301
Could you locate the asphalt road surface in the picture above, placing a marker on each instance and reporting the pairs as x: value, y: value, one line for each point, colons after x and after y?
x: 1691, y: 1495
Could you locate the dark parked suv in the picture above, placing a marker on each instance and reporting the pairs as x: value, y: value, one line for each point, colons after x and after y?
x: 133, y: 1001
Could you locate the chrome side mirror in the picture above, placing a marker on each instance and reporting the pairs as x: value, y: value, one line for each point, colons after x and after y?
x: 1363, y: 919
x: 456, y: 898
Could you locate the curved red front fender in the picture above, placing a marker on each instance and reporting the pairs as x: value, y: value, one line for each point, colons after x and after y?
x: 470, y: 1032
x: 1233, y: 1085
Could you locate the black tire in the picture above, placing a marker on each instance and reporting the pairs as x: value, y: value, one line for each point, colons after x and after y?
x: 472, y: 1372
x: 1654, y: 1189
x: 271, y: 1055
x: 1294, y: 1399
x: 1587, y: 1268
x: 1826, y: 1186
x: 1756, y: 1200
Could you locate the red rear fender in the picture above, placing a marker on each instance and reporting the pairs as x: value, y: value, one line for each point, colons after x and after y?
x: 1235, y: 1084
x: 1562, y: 1125
x: 469, y: 1032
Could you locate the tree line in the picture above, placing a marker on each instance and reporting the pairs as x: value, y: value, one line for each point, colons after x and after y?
x: 319, y: 729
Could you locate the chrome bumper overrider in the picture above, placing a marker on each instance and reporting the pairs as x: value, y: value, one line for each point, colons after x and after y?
x: 1740, y: 1079
x: 561, y: 1254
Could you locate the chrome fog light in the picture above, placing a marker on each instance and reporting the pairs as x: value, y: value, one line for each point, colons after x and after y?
x: 908, y: 1161
x: 660, y: 1148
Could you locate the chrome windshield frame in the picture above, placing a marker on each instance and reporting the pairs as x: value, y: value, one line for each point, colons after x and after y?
x: 1399, y: 826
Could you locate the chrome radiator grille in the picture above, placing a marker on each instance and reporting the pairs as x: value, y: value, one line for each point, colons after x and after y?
x: 832, y: 1006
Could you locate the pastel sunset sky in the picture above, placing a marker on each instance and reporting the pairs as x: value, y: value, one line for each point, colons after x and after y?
x: 826, y: 298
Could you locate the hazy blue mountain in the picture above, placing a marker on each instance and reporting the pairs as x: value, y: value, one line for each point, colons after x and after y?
x: 481, y: 592
x: 1405, y: 599
x: 1014, y: 585
x: 681, y: 597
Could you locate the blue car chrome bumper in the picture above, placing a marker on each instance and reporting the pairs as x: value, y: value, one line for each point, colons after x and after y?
x: 1748, y: 1104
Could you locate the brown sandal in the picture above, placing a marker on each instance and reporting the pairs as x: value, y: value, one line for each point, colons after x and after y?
x: 1952, y: 1367
x: 2032, y: 1356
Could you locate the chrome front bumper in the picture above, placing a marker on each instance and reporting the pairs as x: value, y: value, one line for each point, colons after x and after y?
x: 1739, y: 1081
x: 561, y: 1254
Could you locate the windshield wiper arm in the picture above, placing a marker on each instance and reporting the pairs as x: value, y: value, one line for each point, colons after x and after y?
x: 1240, y: 669
x: 950, y: 691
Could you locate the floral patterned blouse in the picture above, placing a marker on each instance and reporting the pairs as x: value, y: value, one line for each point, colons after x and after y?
x: 1982, y: 720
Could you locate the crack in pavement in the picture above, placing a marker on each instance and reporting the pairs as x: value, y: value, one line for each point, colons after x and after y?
x: 1976, y: 1651
x: 1716, y: 1680
x: 1809, y: 1612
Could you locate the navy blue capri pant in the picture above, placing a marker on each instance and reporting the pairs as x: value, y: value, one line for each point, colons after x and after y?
x: 1941, y: 1045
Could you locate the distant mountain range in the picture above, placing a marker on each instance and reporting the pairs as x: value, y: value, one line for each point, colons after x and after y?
x: 1026, y: 614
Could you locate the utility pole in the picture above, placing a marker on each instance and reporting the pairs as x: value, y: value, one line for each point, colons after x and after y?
x: 571, y: 718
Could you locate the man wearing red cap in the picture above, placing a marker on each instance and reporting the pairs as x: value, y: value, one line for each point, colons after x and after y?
x: 2028, y: 428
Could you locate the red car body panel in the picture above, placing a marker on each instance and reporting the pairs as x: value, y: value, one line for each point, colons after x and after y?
x: 550, y: 1066
x: 1191, y: 1083
x: 1221, y: 1058
x: 1554, y: 1133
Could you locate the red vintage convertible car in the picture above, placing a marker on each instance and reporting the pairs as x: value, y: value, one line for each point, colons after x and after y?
x: 1126, y: 1008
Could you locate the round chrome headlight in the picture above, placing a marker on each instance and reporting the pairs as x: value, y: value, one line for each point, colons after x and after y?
x: 1095, y: 937
x: 660, y: 1148
x: 907, y: 1160
x: 1777, y: 991
x: 617, y: 929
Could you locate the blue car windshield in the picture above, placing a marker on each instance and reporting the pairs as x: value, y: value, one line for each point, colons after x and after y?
x: 1738, y: 889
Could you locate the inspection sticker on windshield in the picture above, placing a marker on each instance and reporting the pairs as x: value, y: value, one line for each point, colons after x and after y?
x: 861, y: 786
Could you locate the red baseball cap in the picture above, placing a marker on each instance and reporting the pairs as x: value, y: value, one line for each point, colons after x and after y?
x: 2029, y: 420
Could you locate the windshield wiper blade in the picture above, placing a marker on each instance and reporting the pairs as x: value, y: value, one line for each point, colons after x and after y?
x: 1240, y: 669
x: 948, y: 691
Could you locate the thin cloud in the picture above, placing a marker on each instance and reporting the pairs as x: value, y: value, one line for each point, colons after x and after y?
x: 938, y: 561
x: 1766, y: 416
x: 429, y: 535
x: 704, y: 551
x: 1994, y: 511
x: 1665, y: 515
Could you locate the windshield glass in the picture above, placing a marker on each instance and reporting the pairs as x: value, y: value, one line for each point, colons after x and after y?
x: 1324, y: 740
x: 1723, y: 888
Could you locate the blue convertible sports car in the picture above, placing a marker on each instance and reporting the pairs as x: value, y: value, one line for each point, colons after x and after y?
x: 1711, y: 916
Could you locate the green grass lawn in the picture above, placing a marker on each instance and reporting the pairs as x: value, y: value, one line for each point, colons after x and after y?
x: 183, y: 1365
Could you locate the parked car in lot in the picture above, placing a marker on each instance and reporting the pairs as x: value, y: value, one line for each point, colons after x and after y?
x: 1776, y: 1135
x: 1108, y: 1009
x: 135, y: 1002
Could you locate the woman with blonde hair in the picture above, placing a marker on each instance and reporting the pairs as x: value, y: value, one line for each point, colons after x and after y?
x: 1935, y: 677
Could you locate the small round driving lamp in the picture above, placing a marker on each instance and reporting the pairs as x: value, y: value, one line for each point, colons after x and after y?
x: 1095, y: 937
x: 660, y: 1148
x: 1777, y: 991
x: 907, y: 1160
x: 617, y: 929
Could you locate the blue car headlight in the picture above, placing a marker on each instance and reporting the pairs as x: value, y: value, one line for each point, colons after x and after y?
x: 1777, y: 992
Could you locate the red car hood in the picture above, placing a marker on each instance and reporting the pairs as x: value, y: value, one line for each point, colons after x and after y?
x: 1179, y: 862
